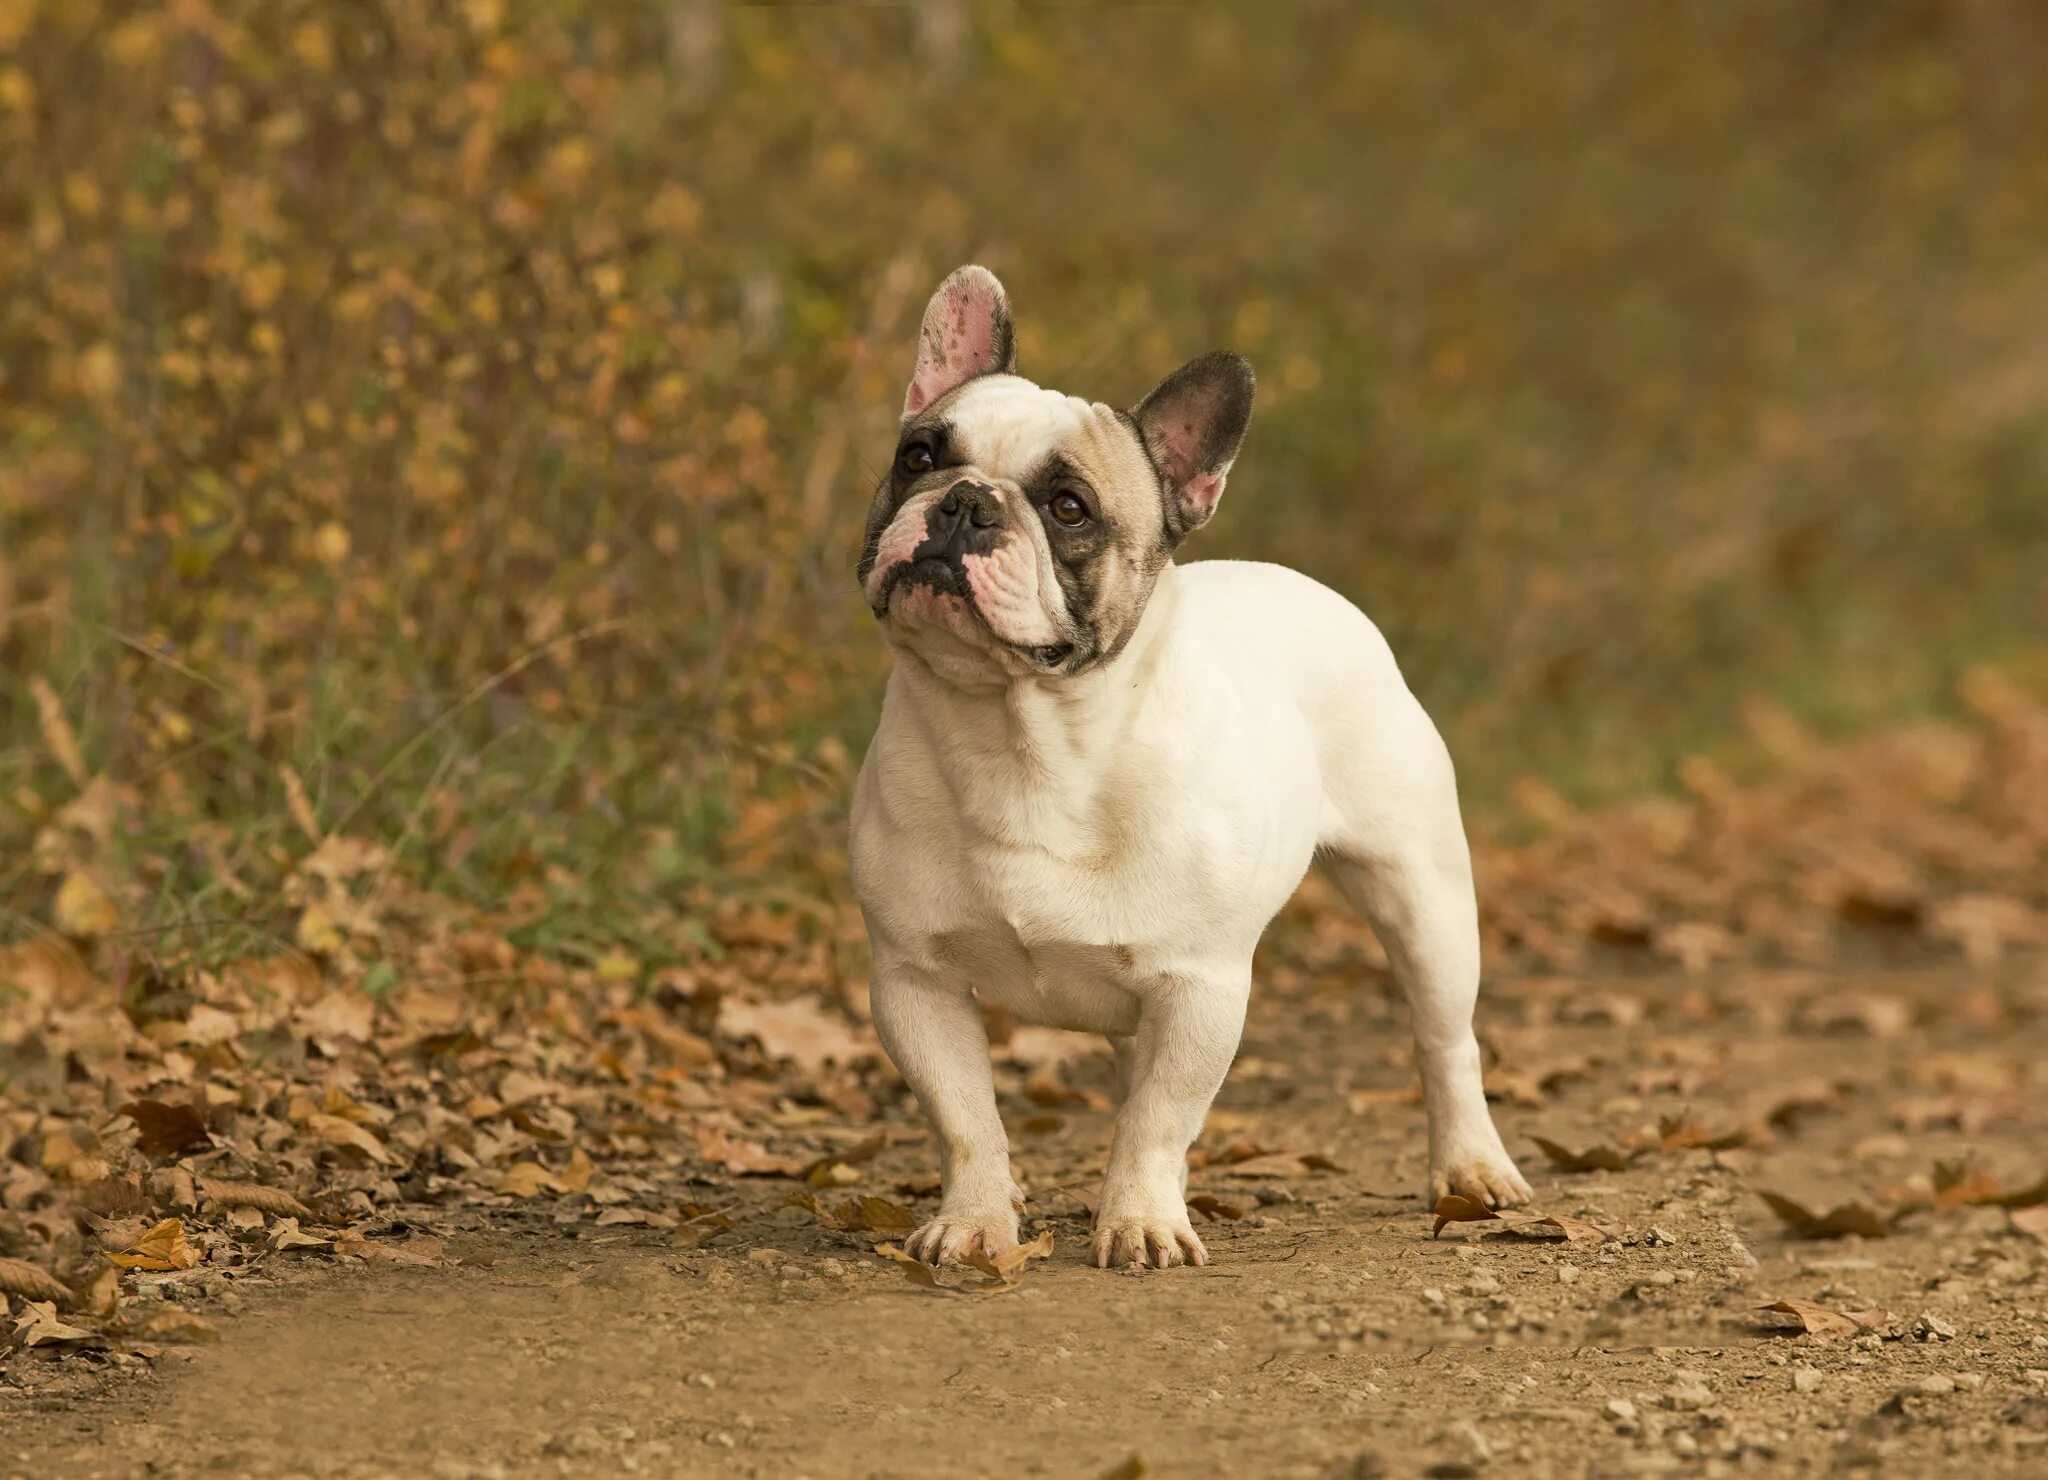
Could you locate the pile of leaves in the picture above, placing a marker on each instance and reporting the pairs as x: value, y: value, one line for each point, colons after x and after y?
x: 1923, y: 842
x: 402, y: 1059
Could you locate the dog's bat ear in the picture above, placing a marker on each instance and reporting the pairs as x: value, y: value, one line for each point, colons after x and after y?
x: 966, y: 333
x: 1192, y: 425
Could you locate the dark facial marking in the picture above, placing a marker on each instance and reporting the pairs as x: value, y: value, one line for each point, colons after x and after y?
x: 901, y: 481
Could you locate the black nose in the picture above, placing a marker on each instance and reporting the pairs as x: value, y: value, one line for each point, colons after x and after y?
x: 965, y: 521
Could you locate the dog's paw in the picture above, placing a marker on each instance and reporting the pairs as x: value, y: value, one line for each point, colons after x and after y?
x: 1484, y: 1173
x: 951, y: 1237
x: 1148, y: 1233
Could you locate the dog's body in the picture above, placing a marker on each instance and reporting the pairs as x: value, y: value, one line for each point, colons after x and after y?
x: 1099, y: 775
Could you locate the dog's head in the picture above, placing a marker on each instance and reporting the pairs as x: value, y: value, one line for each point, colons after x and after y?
x: 1020, y: 531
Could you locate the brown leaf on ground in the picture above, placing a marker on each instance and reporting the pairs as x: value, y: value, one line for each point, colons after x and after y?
x: 286, y: 1237
x: 161, y: 1248
x: 339, y: 1131
x: 857, y: 1154
x: 1675, y: 1133
x: 874, y: 1215
x: 799, y: 1029
x: 1214, y: 1208
x: 1819, y: 1320
x: 2026, y: 1197
x: 1520, y: 1222
x: 170, y: 1324
x: 1451, y: 1208
x: 2032, y: 1221
x: 340, y: 1014
x: 703, y: 1228
x: 1837, y: 1222
x: 99, y: 1296
x: 1524, y: 1223
x: 1006, y: 1267
x: 525, y: 1179
x: 1592, y: 1159
x: 229, y: 1196
x: 166, y: 1130
x: 1277, y: 1164
x: 38, y: 1325
x: 423, y: 1250
x: 743, y: 1158
x: 19, y: 1277
x: 915, y: 1270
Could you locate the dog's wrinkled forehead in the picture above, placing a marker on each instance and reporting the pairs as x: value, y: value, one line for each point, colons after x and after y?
x: 1012, y: 429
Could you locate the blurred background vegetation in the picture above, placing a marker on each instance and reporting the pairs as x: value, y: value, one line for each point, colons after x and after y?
x: 450, y: 424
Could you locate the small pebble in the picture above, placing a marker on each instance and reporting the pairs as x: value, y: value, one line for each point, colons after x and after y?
x: 1932, y: 1328
x: 1806, y: 1379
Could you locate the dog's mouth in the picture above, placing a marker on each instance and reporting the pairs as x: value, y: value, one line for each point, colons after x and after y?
x: 937, y: 573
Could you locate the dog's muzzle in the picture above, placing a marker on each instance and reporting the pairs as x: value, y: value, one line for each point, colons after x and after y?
x: 968, y: 520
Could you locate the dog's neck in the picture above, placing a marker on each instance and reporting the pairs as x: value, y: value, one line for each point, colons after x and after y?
x: 1027, y: 758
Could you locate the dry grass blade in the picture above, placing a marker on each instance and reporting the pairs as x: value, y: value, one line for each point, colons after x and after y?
x: 57, y: 731
x: 227, y: 1196
x: 19, y: 1277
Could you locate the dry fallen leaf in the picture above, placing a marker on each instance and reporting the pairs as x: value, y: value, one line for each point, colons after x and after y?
x: 166, y: 1130
x: 38, y: 1325
x: 1214, y: 1208
x: 743, y: 1158
x: 915, y: 1270
x: 874, y: 1215
x: 799, y: 1029
x: 286, y: 1236
x: 1837, y: 1222
x: 1819, y: 1320
x: 230, y: 1196
x: 1521, y: 1222
x: 170, y: 1323
x: 1004, y: 1268
x: 1592, y: 1159
x: 2032, y: 1221
x: 162, y: 1248
x: 18, y: 1277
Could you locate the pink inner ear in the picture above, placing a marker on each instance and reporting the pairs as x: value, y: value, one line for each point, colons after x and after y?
x: 958, y: 342
x: 1199, y: 494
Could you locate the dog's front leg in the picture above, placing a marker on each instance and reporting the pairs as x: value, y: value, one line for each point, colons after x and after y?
x: 934, y: 1034
x: 1173, y: 1066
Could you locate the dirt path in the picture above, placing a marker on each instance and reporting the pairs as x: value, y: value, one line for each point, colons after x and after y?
x: 1332, y: 1336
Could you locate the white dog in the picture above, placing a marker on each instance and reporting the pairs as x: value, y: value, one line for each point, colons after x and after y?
x: 1099, y: 775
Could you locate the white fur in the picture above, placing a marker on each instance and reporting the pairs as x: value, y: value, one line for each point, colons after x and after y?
x: 1102, y: 852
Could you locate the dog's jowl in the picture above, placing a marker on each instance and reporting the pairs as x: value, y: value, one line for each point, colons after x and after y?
x: 1099, y: 773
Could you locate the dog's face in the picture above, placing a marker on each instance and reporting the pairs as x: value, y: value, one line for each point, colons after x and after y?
x: 1019, y: 531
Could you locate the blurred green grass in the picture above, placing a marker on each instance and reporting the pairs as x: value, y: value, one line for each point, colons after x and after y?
x: 470, y: 408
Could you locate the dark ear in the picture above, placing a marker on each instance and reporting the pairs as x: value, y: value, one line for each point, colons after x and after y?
x: 1192, y: 424
x: 966, y: 333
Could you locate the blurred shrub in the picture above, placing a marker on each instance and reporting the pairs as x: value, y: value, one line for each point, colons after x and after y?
x: 469, y: 408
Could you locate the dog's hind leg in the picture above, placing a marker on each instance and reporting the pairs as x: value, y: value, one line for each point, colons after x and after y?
x: 1403, y: 863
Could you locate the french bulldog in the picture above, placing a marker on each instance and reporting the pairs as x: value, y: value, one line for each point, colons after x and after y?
x: 1099, y: 774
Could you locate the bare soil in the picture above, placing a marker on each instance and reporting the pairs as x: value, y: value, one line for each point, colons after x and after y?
x: 1333, y: 1335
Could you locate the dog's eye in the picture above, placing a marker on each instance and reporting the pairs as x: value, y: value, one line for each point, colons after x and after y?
x: 914, y: 459
x: 1069, y: 509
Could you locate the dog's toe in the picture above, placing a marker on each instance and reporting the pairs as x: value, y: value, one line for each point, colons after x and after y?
x: 949, y: 1239
x: 1146, y: 1243
x: 1491, y: 1180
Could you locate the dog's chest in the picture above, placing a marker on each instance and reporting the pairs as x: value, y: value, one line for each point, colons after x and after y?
x: 1075, y: 937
